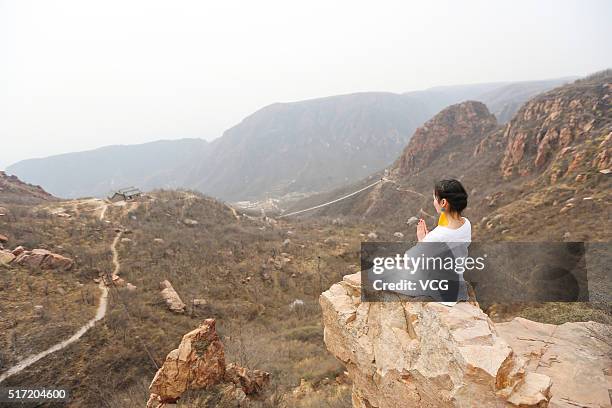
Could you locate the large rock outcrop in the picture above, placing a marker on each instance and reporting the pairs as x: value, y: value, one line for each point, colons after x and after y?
x: 566, y: 133
x: 575, y: 355
x: 199, y: 363
x: 455, y: 124
x: 39, y: 258
x: 404, y: 354
x: 172, y: 299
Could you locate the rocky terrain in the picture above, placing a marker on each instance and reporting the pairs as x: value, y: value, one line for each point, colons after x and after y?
x: 199, y: 363
x: 243, y: 271
x: 284, y: 150
x: 175, y: 259
x: 539, y: 177
x: 401, y: 353
x: 13, y: 190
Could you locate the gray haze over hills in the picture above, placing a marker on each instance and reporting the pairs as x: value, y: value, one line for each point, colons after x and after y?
x: 283, y: 149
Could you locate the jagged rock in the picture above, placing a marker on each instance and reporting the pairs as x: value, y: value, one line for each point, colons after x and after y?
x: 44, y: 259
x: 6, y: 257
x: 250, y: 381
x: 401, y: 354
x: 172, y: 299
x: 19, y: 250
x: 576, y: 356
x: 372, y: 235
x: 199, y: 363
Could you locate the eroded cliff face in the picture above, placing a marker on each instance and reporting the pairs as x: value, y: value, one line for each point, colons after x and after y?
x: 458, y: 123
x: 566, y: 132
x: 414, y: 354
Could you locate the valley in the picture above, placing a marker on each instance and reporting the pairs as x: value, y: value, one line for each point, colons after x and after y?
x: 101, y: 292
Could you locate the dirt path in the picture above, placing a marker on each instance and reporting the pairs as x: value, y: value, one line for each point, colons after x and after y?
x: 113, y: 249
x: 100, y: 313
x: 103, y: 212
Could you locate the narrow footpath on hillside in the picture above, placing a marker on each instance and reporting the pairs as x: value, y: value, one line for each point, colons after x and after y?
x: 100, y: 313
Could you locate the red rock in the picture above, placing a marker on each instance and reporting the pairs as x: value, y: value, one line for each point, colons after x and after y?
x: 199, y: 363
x: 456, y: 122
x: 44, y: 259
x: 18, y: 251
x: 251, y: 381
x: 55, y: 261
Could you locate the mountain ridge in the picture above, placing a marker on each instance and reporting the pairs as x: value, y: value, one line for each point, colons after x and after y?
x: 551, y: 160
x: 281, y: 150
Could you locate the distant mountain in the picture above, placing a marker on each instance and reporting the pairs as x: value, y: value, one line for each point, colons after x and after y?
x: 309, y: 146
x: 282, y: 150
x: 503, y: 99
x: 545, y: 175
x: 161, y: 164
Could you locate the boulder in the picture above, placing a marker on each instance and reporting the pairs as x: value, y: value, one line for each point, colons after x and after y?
x: 18, y: 251
x: 199, y: 302
x: 172, y: 299
x: 404, y: 353
x: 32, y: 259
x: 251, y: 381
x: 6, y: 257
x: 43, y: 259
x: 55, y: 261
x: 3, y: 239
x: 190, y: 222
x: 199, y: 363
x: 576, y: 356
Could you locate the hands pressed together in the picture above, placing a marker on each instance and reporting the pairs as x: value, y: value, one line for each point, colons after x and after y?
x: 421, y: 230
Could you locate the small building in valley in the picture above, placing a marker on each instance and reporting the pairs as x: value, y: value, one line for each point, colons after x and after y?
x: 125, y: 194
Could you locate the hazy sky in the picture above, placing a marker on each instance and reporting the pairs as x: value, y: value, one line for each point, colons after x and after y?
x: 76, y: 75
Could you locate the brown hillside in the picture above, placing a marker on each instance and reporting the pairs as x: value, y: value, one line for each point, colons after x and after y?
x: 543, y: 176
x: 13, y: 190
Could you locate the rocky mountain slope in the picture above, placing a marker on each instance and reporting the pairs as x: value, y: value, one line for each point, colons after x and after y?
x: 541, y: 176
x: 284, y: 149
x: 13, y: 190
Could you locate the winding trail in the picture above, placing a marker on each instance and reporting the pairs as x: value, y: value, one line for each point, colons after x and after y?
x: 100, y: 313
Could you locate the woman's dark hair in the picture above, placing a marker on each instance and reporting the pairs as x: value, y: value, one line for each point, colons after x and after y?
x: 453, y: 192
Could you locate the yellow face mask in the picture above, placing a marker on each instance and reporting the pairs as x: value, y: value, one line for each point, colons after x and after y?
x: 442, y: 221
